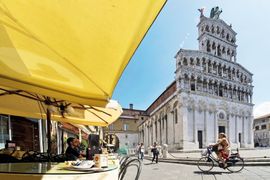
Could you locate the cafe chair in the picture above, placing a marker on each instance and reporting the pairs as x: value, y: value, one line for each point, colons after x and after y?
x: 128, y: 162
x: 34, y: 156
x: 58, y: 158
x: 5, y: 158
x: 123, y: 161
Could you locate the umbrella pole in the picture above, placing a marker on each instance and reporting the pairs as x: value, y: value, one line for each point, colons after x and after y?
x: 49, y: 131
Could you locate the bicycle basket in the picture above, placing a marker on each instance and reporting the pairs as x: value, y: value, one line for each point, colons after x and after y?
x: 204, y: 152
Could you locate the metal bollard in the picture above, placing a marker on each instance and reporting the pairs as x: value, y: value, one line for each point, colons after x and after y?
x: 165, y: 150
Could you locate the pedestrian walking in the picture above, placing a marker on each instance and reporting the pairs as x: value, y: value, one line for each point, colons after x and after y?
x: 138, y: 150
x: 155, y: 152
x: 141, y: 151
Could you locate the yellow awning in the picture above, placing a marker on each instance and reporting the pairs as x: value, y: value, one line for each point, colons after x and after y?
x: 71, y: 50
x: 26, y: 105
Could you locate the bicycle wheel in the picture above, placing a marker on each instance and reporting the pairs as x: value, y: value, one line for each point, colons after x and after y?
x: 235, y: 164
x: 205, y: 164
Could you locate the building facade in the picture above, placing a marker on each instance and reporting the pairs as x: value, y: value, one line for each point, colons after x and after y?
x: 262, y: 131
x: 212, y: 93
x: 124, y: 133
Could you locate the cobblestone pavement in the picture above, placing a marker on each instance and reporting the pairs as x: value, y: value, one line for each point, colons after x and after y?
x: 169, y: 171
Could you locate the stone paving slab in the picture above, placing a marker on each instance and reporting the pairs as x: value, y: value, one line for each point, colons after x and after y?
x: 245, y: 153
x: 169, y: 171
x: 252, y: 157
x: 194, y: 162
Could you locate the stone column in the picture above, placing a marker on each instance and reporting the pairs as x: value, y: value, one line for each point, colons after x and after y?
x: 216, y: 51
x: 218, y: 89
x: 166, y: 129
x: 148, y: 135
x: 240, y: 94
x: 156, y: 130
x: 251, y: 138
x: 225, y: 91
x: 244, y: 131
x: 205, y: 128
x: 151, y: 135
x: 222, y: 71
x: 153, y: 131
x: 206, y: 65
x: 160, y: 130
x: 145, y: 136
x: 170, y: 129
x: 195, y: 138
x: 141, y: 135
x: 195, y: 79
x: 173, y: 121
x: 228, y: 125
x: 181, y: 81
x: 215, y: 126
x: 183, y: 125
x: 236, y: 129
x: 163, y: 130
x: 207, y: 86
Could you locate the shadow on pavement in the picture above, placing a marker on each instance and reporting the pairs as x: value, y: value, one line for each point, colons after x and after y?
x: 148, y: 163
x: 212, y: 172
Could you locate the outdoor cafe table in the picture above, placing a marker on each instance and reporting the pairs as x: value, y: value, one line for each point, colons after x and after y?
x: 52, y: 171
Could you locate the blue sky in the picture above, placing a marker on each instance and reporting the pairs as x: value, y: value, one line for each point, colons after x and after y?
x: 152, y: 67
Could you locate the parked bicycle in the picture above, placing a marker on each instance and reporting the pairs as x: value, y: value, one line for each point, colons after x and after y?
x: 234, y: 163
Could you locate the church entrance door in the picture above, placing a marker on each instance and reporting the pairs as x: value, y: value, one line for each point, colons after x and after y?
x: 221, y: 129
x: 200, y: 139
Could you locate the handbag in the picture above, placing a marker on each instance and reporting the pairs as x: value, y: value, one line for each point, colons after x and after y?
x: 220, y: 147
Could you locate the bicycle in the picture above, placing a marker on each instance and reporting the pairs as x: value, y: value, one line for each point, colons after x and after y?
x: 234, y: 162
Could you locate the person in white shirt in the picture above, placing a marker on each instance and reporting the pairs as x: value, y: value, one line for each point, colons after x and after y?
x: 141, y: 151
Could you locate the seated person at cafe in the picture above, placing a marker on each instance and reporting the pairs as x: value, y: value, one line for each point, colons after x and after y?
x: 72, y: 152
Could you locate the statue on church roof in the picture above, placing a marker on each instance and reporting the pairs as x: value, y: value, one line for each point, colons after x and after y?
x: 215, y: 12
x: 201, y: 10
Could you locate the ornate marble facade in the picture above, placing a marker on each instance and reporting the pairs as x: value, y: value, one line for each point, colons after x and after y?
x: 213, y: 94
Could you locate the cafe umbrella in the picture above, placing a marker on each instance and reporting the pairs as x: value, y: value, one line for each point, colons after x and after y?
x: 68, y: 55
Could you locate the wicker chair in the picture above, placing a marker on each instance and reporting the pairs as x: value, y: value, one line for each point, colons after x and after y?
x: 128, y: 162
x: 5, y: 158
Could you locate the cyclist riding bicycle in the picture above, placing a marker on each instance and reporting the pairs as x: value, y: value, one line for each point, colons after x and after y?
x: 222, y: 148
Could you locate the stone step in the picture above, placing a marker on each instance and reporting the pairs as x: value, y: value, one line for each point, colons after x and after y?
x: 194, y: 161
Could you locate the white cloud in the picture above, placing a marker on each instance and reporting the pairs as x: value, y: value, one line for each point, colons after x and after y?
x: 262, y: 109
x: 183, y: 42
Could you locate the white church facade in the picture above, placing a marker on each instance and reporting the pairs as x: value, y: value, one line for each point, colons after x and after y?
x: 212, y: 93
